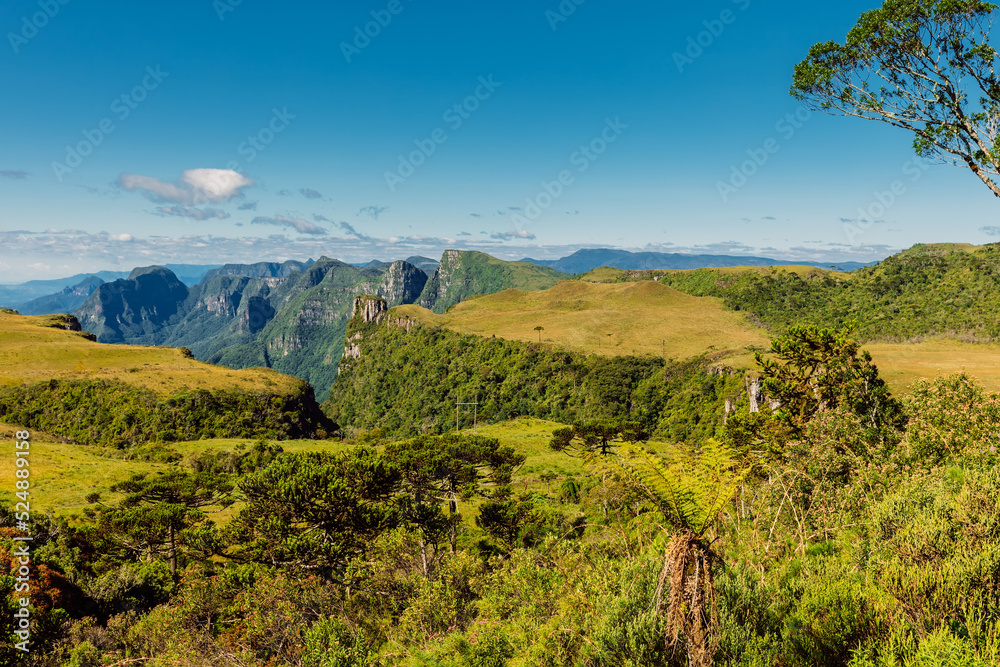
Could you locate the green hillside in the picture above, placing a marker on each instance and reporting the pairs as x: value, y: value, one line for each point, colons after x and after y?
x: 41, y: 348
x: 405, y: 378
x: 464, y: 274
x: 59, y: 380
x: 628, y: 318
x: 930, y: 290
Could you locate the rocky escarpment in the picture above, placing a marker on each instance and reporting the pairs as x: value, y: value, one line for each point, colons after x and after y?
x: 368, y: 310
x: 135, y: 309
x: 402, y: 283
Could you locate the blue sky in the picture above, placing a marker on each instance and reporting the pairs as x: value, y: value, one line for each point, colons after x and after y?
x: 244, y: 131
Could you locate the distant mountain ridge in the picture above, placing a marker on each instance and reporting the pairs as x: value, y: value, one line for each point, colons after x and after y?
x: 589, y: 259
x: 290, y: 316
x: 16, y: 296
x: 65, y: 301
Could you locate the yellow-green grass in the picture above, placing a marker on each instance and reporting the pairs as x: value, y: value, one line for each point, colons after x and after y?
x: 602, y: 274
x: 800, y: 270
x: 902, y: 364
x: 62, y: 475
x: 31, y: 350
x: 641, y: 318
x: 605, y: 274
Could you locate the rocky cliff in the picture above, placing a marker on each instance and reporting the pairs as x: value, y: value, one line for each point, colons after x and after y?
x: 136, y: 309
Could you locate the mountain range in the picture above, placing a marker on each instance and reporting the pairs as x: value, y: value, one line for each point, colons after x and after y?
x: 51, y: 297
x: 292, y: 316
x: 586, y: 260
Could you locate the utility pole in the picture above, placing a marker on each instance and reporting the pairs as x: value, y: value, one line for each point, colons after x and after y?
x: 475, y: 415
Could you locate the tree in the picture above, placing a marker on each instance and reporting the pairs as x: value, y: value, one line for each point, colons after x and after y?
x: 315, y: 511
x: 690, y: 492
x: 922, y: 65
x: 158, y: 508
x: 600, y: 437
x: 821, y: 369
x: 437, y: 469
x: 539, y: 329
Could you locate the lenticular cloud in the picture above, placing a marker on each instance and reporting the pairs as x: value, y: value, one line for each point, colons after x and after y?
x: 195, y: 186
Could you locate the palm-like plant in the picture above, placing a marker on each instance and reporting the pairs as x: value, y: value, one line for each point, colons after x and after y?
x: 691, y: 492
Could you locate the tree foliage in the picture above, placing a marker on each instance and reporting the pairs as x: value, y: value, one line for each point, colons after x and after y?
x: 922, y: 65
x: 818, y: 369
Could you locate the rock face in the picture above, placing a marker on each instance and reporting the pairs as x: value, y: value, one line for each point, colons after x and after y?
x: 402, y: 283
x: 370, y: 309
x: 134, y: 309
x: 261, y: 269
x: 755, y: 392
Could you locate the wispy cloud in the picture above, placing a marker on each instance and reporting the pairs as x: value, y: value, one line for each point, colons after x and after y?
x: 373, y: 211
x: 355, y: 233
x: 510, y: 236
x: 310, y: 194
x: 991, y: 230
x: 195, y: 186
x: 248, y: 206
x: 299, y: 225
x: 59, y: 253
x: 191, y: 212
x: 16, y: 175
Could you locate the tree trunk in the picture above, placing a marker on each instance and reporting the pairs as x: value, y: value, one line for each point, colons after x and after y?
x: 173, y: 551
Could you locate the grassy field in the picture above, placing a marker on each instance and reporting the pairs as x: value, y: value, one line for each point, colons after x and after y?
x: 608, y: 319
x: 34, y: 351
x: 605, y: 274
x: 901, y: 364
x: 62, y: 475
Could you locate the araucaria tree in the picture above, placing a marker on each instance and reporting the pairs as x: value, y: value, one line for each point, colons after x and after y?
x: 921, y: 65
x: 813, y: 369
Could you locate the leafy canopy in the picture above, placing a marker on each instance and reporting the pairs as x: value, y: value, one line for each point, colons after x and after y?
x: 922, y: 65
x: 821, y: 369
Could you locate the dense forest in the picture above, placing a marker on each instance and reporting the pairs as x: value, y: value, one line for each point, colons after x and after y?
x: 409, y: 378
x: 118, y: 415
x: 847, y: 527
x: 924, y: 291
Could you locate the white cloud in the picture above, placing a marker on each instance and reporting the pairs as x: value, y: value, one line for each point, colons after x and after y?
x: 195, y: 186
x: 55, y: 254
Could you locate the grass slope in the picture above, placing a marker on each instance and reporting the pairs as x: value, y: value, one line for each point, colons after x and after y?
x: 901, y: 364
x: 642, y: 318
x: 33, y: 350
x: 63, y: 474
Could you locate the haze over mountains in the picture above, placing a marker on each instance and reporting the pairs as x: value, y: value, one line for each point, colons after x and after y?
x: 586, y: 260
x: 292, y: 316
x: 45, y: 297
